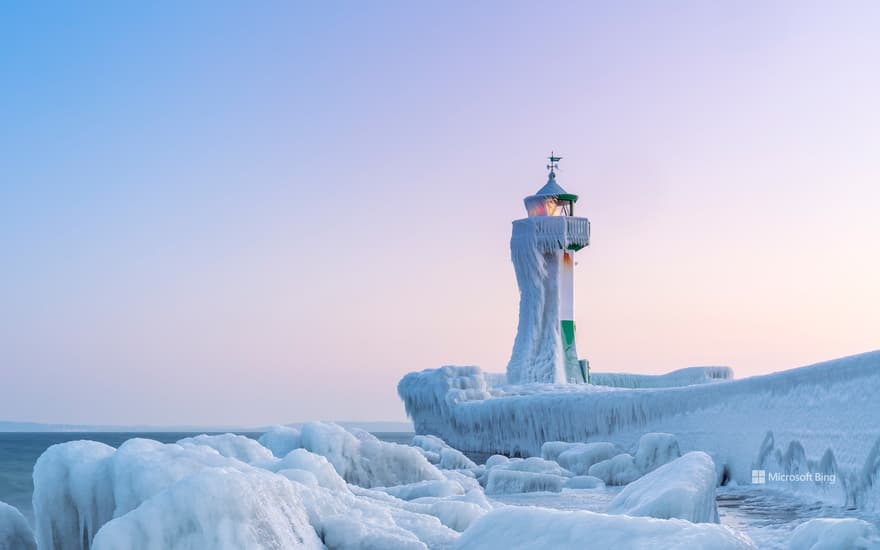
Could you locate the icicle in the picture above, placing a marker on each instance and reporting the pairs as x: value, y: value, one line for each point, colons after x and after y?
x: 537, y: 354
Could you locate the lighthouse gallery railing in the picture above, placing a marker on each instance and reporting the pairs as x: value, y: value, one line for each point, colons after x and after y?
x: 555, y: 232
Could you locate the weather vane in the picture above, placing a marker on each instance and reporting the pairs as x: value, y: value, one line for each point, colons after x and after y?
x: 554, y: 162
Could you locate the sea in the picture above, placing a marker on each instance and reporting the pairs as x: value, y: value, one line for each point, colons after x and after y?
x: 19, y: 452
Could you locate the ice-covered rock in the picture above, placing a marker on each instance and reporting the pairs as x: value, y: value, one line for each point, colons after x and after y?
x: 683, y: 488
x: 495, y: 460
x: 453, y: 459
x: 188, y: 495
x: 73, y: 494
x: 280, y: 440
x: 420, y: 489
x: 430, y: 456
x: 525, y: 528
x: 374, y: 519
x: 551, y: 450
x: 618, y: 470
x: 369, y: 518
x: 655, y: 450
x: 217, y: 508
x: 579, y: 458
x: 15, y: 533
x: 454, y: 511
x: 532, y: 464
x: 429, y: 443
x: 835, y: 534
x: 366, y: 463
x: 232, y: 446
x: 503, y: 481
x: 467, y: 478
x: 439, y: 453
x: 584, y: 482
x: 362, y: 434
x: 300, y: 476
x: 317, y: 465
x: 142, y: 468
x: 457, y: 514
x: 517, y: 475
x: 351, y: 532
x: 81, y: 485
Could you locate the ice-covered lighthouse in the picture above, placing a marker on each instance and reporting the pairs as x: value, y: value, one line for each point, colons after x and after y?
x: 542, y: 248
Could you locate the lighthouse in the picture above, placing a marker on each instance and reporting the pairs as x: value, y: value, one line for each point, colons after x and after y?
x: 542, y: 248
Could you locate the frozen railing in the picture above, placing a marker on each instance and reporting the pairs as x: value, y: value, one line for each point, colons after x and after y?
x: 555, y: 232
x: 677, y: 378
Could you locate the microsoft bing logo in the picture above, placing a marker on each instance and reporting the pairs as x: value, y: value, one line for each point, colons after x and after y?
x: 759, y: 477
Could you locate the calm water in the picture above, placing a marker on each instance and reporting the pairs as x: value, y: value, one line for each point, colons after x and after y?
x: 19, y: 452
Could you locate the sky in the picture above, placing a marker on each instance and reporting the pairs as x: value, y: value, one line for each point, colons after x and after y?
x: 245, y: 214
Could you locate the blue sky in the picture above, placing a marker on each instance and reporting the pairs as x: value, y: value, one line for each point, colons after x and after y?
x: 221, y: 213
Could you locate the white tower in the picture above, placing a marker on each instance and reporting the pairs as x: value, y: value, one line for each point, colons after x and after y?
x: 542, y: 248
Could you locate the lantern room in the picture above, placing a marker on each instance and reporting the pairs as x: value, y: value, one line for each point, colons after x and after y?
x: 552, y: 199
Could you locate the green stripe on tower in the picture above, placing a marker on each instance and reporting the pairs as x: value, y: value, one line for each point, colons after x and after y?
x: 572, y: 368
x: 567, y: 334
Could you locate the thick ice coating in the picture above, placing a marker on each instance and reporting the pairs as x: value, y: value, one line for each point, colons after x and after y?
x: 370, y: 463
x: 508, y: 481
x: 834, y: 534
x: 617, y: 470
x: 538, y: 355
x: 217, y: 508
x: 73, y: 494
x: 280, y: 440
x: 232, y: 446
x: 81, y: 485
x: 683, y: 488
x: 580, y: 457
x: 519, y: 528
x: 683, y: 377
x: 317, y: 465
x: 728, y: 419
x: 655, y: 450
x: 442, y: 455
x: 15, y: 533
x: 203, y: 493
x: 149, y: 495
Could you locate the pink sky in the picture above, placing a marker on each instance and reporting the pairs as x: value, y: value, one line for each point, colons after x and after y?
x: 272, y: 217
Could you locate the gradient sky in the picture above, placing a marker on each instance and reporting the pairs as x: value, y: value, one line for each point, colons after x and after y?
x: 219, y: 212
